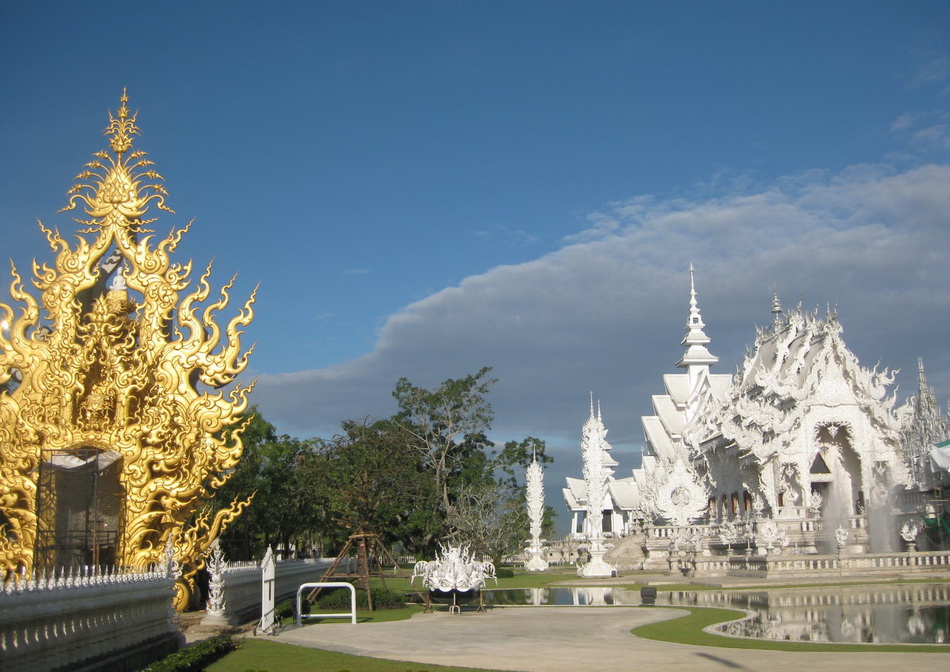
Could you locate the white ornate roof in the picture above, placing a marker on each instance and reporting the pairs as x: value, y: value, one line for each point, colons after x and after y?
x: 798, y: 366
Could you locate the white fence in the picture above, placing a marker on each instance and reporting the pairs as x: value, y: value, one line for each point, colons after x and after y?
x: 83, y: 622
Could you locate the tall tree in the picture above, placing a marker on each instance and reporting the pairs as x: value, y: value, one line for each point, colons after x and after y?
x: 368, y: 478
x: 490, y: 514
x: 447, y: 426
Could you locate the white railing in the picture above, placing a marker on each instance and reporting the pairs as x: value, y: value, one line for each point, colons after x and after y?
x: 86, y: 621
x: 327, y: 584
x: 843, y: 565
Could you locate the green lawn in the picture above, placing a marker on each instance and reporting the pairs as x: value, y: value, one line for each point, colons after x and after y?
x: 256, y: 655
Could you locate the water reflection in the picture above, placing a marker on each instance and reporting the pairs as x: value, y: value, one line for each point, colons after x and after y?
x: 903, y: 613
x: 916, y: 613
x: 560, y: 596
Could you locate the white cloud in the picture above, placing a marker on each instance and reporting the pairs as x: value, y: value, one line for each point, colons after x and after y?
x: 606, y: 312
x: 936, y: 70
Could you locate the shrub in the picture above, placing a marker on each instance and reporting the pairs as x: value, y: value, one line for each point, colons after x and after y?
x: 504, y: 573
x: 339, y: 599
x: 284, y: 610
x: 195, y: 658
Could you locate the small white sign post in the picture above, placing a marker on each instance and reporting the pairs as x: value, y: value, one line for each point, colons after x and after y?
x: 268, y: 586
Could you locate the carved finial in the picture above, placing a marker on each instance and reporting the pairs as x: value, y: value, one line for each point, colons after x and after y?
x: 117, y: 190
x: 776, y: 304
x: 695, y: 339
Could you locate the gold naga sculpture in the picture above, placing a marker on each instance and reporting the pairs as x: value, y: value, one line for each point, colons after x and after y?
x: 114, y: 429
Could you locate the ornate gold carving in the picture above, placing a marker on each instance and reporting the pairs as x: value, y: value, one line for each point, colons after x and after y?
x: 135, y: 368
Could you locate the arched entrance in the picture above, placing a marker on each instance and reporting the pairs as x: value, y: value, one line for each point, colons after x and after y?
x: 78, y: 508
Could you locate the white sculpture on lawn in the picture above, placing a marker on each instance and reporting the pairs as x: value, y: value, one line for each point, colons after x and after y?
x: 455, y: 568
x: 596, y: 475
x: 534, y: 496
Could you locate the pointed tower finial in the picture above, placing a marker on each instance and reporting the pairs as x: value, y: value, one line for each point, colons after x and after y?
x: 696, y: 339
x: 776, y: 304
x: 921, y: 374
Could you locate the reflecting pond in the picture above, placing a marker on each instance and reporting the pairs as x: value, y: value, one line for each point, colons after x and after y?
x: 895, y: 613
x: 562, y: 596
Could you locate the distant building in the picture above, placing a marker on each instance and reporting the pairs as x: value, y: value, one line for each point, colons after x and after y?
x: 802, y: 438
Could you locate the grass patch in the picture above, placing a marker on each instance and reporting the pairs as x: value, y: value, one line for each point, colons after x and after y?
x: 362, y: 615
x: 689, y: 630
x: 262, y: 656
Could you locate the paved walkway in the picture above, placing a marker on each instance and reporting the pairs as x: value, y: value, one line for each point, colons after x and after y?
x: 569, y: 639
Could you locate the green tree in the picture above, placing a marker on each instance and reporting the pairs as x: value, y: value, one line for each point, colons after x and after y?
x: 278, y: 515
x: 447, y: 427
x: 367, y: 478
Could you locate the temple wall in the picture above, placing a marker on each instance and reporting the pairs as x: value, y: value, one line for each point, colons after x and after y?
x: 117, y: 622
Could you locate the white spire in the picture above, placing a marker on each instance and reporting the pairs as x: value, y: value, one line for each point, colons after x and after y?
x: 697, y: 357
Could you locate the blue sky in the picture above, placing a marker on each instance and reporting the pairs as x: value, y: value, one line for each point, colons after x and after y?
x: 425, y: 188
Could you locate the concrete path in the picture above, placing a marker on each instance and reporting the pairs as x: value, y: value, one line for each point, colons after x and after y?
x: 571, y: 639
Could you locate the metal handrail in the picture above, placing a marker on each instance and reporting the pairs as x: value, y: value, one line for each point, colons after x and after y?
x: 327, y: 584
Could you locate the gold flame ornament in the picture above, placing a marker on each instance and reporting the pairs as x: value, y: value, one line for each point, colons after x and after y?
x: 114, y: 429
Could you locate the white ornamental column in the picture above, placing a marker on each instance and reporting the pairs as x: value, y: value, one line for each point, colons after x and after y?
x: 534, y: 495
x: 215, y: 613
x: 593, y: 446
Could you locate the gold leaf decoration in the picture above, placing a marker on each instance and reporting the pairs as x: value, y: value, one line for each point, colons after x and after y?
x: 114, y: 377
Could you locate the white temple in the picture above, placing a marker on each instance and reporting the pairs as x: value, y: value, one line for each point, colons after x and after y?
x: 802, y: 451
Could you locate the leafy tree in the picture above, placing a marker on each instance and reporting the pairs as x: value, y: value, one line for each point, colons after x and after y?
x: 367, y: 478
x: 278, y: 515
x: 447, y: 427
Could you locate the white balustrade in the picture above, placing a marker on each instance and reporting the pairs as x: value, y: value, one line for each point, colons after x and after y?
x: 87, y: 621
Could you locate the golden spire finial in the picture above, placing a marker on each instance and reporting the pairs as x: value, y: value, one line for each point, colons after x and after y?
x: 122, y: 128
x: 115, y: 190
